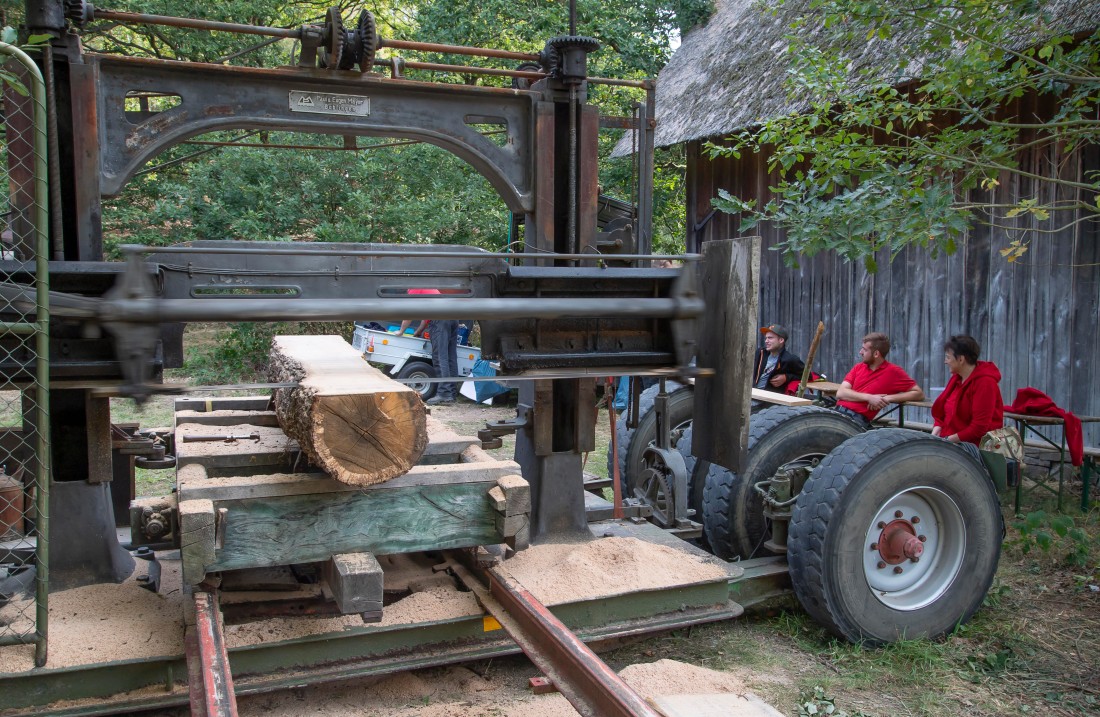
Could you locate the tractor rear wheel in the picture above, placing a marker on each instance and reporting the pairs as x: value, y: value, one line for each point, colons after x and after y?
x: 632, y: 443
x: 895, y: 536
x: 733, y: 513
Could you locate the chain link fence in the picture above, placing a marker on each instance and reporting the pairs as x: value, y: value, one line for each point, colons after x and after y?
x: 24, y: 367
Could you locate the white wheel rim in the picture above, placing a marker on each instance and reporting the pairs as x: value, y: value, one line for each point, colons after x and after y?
x: 911, y: 584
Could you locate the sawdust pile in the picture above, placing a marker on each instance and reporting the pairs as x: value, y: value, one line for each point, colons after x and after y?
x: 277, y: 629
x: 669, y: 677
x: 431, y: 605
x: 558, y: 573
x: 460, y: 692
x: 101, y: 623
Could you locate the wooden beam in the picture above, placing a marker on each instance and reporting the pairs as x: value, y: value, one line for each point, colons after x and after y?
x: 781, y: 399
x: 309, y: 528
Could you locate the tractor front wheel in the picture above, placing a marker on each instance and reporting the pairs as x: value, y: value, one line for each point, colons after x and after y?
x: 895, y: 536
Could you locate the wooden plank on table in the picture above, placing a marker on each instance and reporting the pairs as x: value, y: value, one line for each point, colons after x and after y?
x: 780, y: 399
x: 310, y: 528
x: 828, y: 387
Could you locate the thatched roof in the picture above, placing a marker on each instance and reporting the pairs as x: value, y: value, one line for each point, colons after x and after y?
x: 728, y: 74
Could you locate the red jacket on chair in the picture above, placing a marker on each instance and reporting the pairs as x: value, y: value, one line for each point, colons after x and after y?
x: 1033, y: 402
x: 974, y: 405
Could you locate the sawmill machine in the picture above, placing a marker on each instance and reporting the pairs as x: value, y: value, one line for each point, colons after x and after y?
x: 891, y: 534
x: 576, y: 302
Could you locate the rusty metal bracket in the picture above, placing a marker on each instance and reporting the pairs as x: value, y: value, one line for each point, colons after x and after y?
x: 224, y: 438
x: 490, y: 436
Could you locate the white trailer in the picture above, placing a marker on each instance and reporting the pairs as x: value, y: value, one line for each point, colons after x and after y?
x: 408, y: 357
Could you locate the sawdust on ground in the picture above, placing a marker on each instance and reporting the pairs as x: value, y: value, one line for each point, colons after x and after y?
x: 430, y: 605
x: 568, y: 572
x: 460, y: 692
x: 103, y: 623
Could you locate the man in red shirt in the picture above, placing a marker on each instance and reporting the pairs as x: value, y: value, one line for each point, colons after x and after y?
x: 874, y: 382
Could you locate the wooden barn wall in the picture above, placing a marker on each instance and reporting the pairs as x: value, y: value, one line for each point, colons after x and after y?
x: 1036, y: 319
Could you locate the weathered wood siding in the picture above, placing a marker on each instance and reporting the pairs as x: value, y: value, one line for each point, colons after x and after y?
x: 1036, y: 319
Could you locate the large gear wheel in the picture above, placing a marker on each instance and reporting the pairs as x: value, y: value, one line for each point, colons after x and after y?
x: 656, y: 486
x: 79, y: 12
x: 361, y: 44
x: 332, y: 40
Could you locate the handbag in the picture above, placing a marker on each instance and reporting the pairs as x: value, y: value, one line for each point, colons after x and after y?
x: 1005, y: 441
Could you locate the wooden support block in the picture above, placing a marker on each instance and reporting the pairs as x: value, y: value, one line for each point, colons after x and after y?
x: 197, y: 552
x: 511, y: 525
x: 353, y: 421
x: 522, y: 538
x: 517, y: 492
x: 497, y: 498
x: 355, y: 580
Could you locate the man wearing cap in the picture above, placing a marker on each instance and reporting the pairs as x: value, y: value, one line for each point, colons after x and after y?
x: 874, y: 382
x: 775, y: 366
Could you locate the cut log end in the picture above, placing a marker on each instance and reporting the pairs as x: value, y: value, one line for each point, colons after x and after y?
x: 350, y: 419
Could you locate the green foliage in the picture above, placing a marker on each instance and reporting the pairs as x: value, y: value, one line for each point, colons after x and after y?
x: 241, y: 354
x: 819, y: 704
x: 904, y: 144
x: 1044, y: 532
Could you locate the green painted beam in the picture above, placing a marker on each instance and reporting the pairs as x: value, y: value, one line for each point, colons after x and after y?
x: 309, y: 528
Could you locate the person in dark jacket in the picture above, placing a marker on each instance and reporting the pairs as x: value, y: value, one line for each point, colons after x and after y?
x: 970, y: 406
x: 775, y: 368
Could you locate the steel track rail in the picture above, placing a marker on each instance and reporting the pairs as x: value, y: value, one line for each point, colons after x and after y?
x: 593, y: 688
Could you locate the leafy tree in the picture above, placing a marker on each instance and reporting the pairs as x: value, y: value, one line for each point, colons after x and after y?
x: 907, y: 148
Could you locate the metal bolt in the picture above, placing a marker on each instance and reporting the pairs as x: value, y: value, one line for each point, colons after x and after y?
x: 898, y: 514
x: 915, y: 519
x: 880, y: 565
x: 874, y: 546
x: 922, y: 538
x: 897, y: 570
x: 881, y: 525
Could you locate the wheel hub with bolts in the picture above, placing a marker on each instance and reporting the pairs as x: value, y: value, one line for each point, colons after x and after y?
x: 914, y: 548
x: 899, y: 542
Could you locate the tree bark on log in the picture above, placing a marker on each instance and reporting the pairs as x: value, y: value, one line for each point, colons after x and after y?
x: 350, y: 419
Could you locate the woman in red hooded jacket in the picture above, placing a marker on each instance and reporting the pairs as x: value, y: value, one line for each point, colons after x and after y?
x: 971, y: 405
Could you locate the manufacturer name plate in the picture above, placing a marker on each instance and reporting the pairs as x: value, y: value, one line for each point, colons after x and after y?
x: 326, y: 103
